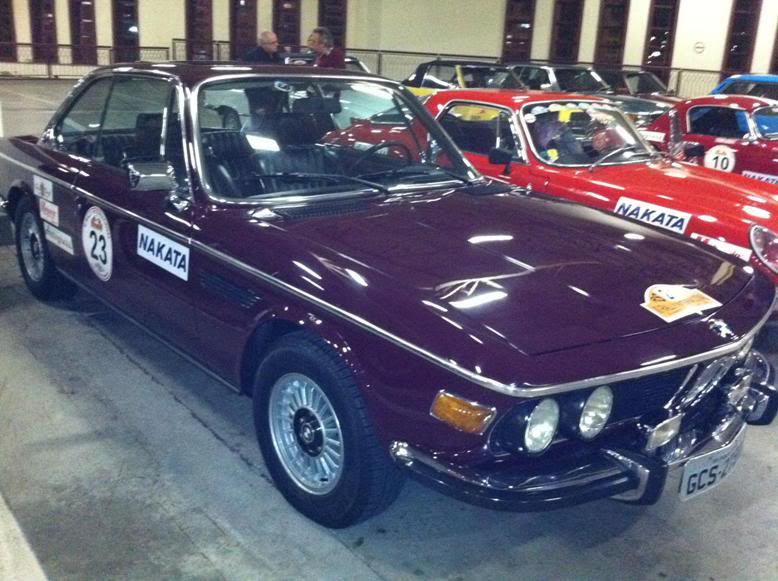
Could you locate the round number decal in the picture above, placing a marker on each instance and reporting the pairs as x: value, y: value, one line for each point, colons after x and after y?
x: 96, y: 239
x: 720, y: 157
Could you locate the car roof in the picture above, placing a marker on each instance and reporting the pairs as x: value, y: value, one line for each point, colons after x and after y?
x: 745, y: 102
x: 191, y: 73
x: 511, y: 98
x: 550, y: 66
x: 750, y: 78
x: 462, y: 62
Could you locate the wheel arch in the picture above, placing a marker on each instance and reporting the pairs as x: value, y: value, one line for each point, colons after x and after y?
x: 16, y: 192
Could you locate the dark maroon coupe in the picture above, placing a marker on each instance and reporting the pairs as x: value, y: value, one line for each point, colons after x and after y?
x: 388, y: 309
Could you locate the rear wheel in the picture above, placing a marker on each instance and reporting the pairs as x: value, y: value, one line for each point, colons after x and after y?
x: 38, y: 269
x: 315, y: 436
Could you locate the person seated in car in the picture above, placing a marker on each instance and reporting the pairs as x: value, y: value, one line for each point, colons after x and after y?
x: 555, y: 142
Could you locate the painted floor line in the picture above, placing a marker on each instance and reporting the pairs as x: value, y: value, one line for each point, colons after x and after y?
x: 17, y: 559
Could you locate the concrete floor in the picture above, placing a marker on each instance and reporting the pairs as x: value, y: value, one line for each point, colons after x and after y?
x: 120, y: 460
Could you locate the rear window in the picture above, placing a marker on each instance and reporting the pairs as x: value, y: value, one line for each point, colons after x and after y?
x: 762, y: 89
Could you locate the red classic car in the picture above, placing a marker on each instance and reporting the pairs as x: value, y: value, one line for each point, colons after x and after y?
x: 585, y: 150
x: 737, y: 134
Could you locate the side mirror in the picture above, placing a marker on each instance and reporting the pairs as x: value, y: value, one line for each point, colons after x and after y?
x: 499, y: 156
x: 151, y: 176
x: 693, y: 149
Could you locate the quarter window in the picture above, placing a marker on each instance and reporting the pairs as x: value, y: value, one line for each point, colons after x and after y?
x: 478, y: 128
x: 440, y: 77
x: 718, y: 122
x: 78, y: 130
x: 534, y: 78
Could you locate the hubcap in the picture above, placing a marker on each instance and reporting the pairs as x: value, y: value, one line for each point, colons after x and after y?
x: 31, y: 247
x: 306, y: 433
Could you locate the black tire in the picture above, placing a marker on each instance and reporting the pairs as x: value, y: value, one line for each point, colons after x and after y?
x: 32, y: 251
x: 368, y: 480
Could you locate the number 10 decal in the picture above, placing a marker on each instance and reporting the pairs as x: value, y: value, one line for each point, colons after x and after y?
x: 96, y: 240
x: 720, y: 157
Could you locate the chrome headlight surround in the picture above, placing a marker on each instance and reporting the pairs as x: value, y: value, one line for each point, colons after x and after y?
x: 764, y: 243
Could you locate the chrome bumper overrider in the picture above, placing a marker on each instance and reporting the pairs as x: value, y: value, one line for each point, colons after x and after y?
x: 608, y: 472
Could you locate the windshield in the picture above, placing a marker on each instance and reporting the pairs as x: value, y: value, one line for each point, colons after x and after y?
x: 489, y: 77
x: 573, y: 134
x: 579, y: 80
x: 766, y: 120
x: 644, y: 82
x: 261, y: 137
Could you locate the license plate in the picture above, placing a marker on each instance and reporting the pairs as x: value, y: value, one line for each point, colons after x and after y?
x: 708, y: 471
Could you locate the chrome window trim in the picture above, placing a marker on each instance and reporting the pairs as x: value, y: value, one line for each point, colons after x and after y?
x: 596, y: 101
x: 517, y: 133
x: 512, y: 390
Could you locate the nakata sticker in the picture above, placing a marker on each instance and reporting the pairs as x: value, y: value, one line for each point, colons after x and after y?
x: 721, y: 157
x: 762, y: 177
x: 58, y: 238
x: 655, y: 215
x: 164, y: 252
x: 530, y: 118
x: 726, y: 247
x: 656, y: 136
x: 671, y: 302
x: 49, y: 212
x: 42, y: 188
x: 96, y: 240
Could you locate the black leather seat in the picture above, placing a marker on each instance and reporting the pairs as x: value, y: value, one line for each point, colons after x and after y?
x: 230, y: 164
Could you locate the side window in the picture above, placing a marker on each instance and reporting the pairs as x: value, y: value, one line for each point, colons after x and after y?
x: 479, y: 128
x: 534, y: 77
x: 718, y: 122
x: 79, y: 129
x: 132, y: 129
x: 440, y: 77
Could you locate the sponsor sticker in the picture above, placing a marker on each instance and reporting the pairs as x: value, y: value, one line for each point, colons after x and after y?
x: 671, y: 302
x: 721, y: 157
x: 164, y: 252
x: 656, y: 136
x: 762, y: 177
x: 652, y: 214
x: 58, y: 238
x: 42, y: 188
x: 555, y: 107
x: 539, y: 110
x: 97, y: 243
x: 530, y: 118
x: 726, y: 247
x: 49, y: 212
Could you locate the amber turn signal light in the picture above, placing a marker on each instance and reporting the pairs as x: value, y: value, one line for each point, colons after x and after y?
x: 467, y: 416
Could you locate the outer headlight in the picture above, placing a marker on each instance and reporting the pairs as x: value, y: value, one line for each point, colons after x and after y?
x: 596, y: 412
x: 765, y: 245
x: 541, y: 427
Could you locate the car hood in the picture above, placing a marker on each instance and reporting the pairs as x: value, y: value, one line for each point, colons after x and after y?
x: 453, y: 270
x: 638, y: 105
x: 730, y: 199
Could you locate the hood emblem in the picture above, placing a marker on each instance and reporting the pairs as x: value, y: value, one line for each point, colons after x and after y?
x: 721, y: 329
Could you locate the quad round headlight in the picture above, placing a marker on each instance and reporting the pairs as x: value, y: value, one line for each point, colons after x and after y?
x: 596, y: 412
x: 765, y: 245
x: 541, y: 426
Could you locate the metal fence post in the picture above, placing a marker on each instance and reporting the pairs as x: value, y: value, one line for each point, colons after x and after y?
x: 380, y: 63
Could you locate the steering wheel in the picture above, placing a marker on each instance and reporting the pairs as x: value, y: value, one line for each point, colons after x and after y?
x: 373, y: 149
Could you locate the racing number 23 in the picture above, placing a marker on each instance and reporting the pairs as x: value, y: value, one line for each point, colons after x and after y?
x: 98, y: 240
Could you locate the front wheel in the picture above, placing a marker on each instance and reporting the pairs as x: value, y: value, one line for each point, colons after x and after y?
x: 315, y: 436
x: 38, y: 269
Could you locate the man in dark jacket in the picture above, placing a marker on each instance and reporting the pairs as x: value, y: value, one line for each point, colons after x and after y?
x: 266, y: 52
x: 328, y: 55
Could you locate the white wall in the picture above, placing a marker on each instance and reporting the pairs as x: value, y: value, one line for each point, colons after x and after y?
x: 221, y: 19
x: 62, y: 14
x: 309, y: 18
x: 589, y: 24
x: 705, y: 22
x: 104, y: 22
x: 22, y: 21
x: 264, y: 15
x: 765, y: 37
x: 541, y: 35
x: 160, y: 21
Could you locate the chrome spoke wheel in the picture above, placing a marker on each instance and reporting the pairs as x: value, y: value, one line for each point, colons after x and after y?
x: 32, y: 247
x: 306, y: 433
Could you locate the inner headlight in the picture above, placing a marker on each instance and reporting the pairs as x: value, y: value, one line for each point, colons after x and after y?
x: 541, y: 426
x: 765, y: 245
x: 596, y: 412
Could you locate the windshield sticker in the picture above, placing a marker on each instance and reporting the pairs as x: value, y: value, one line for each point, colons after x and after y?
x: 42, y: 188
x: 762, y: 177
x: 666, y: 218
x: 49, y: 212
x: 725, y: 247
x: 97, y: 244
x: 530, y: 118
x: 164, y: 252
x: 671, y: 302
x: 58, y: 238
x: 555, y: 107
x: 282, y: 86
x: 656, y: 136
x: 720, y: 157
x: 539, y: 110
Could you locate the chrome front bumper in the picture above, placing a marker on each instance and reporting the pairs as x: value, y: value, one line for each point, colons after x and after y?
x: 607, y: 472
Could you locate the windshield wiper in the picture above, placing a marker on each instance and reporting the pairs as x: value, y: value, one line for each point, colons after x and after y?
x: 619, y: 151
x: 332, y: 177
x: 417, y: 170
